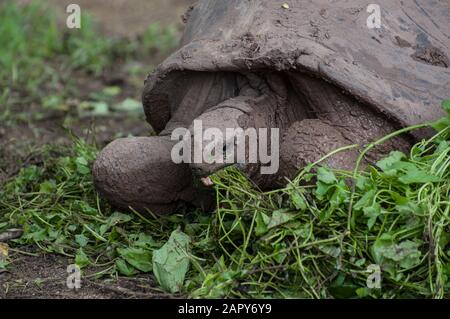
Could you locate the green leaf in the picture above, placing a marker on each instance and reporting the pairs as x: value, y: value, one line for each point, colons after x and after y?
x: 325, y: 214
x: 322, y: 190
x: 394, y: 157
x: 81, y: 259
x: 54, y: 102
x: 82, y: 166
x: 333, y: 251
x: 443, y: 146
x: 278, y: 251
x: 118, y: 218
x: 381, y: 244
x: 372, y: 213
x: 280, y: 217
x: 360, y: 262
x: 363, y: 292
x: 363, y: 183
x: 139, y: 258
x: 415, y: 175
x: 262, y: 220
x: 47, y: 187
x: 444, y: 122
x: 113, y: 220
x: 366, y: 200
x: 111, y: 90
x: 446, y: 106
x: 171, y: 262
x: 100, y: 108
x: 124, y: 268
x: 298, y: 201
x: 340, y: 194
x: 81, y: 240
x: 94, y: 108
x: 388, y: 253
x: 129, y: 105
x: 145, y: 241
x: 441, y: 124
x: 406, y: 254
x: 341, y: 288
x: 82, y: 161
x: 326, y: 176
x: 3, y: 264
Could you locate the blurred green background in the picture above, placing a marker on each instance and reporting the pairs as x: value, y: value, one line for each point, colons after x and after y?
x: 88, y: 80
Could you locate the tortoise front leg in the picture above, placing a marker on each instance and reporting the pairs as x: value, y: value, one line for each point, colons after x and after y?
x: 138, y: 172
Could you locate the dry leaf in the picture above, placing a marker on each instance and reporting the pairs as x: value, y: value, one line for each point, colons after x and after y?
x: 4, y: 251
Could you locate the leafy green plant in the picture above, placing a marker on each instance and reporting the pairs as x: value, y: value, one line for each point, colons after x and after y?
x: 28, y: 37
x: 316, y: 238
x: 40, y: 60
x: 92, y: 52
x: 59, y: 211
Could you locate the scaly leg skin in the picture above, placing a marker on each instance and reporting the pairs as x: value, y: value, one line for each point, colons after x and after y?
x: 138, y: 172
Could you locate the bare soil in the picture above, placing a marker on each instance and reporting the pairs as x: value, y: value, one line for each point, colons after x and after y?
x: 45, y: 277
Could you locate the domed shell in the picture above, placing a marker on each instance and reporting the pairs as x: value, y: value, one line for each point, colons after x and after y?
x: 401, y: 69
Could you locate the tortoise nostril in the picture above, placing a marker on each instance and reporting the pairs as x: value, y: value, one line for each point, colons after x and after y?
x: 197, y: 171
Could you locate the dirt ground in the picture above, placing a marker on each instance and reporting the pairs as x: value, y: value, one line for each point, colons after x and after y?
x: 45, y: 277
x: 33, y: 275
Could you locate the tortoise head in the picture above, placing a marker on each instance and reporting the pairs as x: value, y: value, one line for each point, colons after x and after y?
x: 214, y: 140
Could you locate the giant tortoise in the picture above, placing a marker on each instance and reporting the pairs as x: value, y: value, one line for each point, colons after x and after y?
x: 319, y: 70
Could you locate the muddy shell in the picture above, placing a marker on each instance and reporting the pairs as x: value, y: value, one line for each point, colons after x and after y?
x: 400, y: 69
